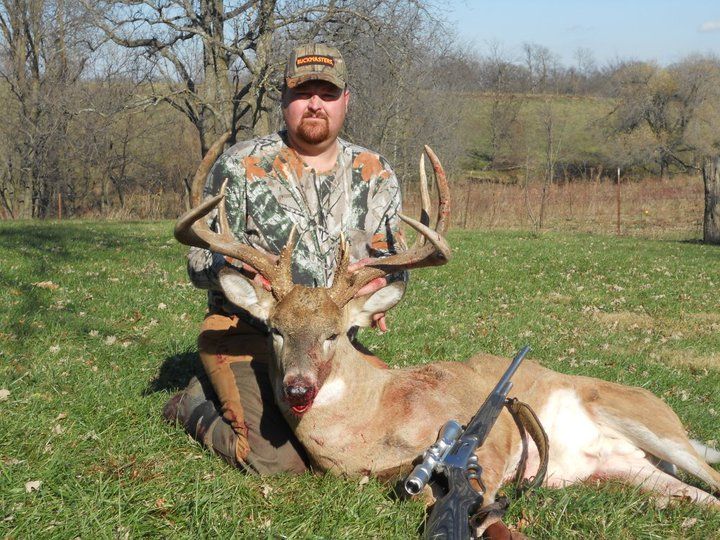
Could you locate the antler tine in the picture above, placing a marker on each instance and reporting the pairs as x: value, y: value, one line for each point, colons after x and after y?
x: 443, y: 192
x: 343, y: 256
x: 204, y: 169
x: 424, y: 202
x: 192, y: 229
x: 435, y: 250
x: 343, y: 280
x: 283, y: 280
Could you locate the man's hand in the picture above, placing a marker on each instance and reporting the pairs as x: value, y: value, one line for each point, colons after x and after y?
x: 378, y: 319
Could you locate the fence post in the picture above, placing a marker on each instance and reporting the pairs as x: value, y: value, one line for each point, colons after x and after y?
x: 617, y: 192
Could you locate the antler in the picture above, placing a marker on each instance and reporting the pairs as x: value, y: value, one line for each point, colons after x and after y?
x: 432, y: 251
x: 192, y: 229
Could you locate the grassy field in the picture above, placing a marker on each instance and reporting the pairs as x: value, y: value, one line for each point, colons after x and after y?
x: 98, y: 330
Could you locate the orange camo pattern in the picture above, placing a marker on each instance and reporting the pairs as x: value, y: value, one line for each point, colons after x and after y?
x: 287, y: 157
x: 252, y: 170
x: 370, y: 166
x: 273, y: 180
x: 379, y: 242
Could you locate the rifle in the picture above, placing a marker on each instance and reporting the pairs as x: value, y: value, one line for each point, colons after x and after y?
x: 453, y: 457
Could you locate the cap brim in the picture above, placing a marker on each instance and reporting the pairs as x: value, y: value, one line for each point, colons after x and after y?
x: 292, y: 82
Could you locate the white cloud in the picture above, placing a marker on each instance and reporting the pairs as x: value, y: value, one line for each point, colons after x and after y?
x: 710, y: 26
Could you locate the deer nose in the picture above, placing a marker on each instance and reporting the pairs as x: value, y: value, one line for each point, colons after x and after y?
x: 297, y: 391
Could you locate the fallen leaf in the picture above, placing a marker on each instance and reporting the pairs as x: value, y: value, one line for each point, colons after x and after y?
x: 266, y: 491
x: 110, y: 340
x: 688, y: 522
x: 47, y: 285
x: 162, y: 306
x: 4, y: 394
x: 364, y: 480
x: 61, y: 416
x: 33, y: 485
x: 58, y: 429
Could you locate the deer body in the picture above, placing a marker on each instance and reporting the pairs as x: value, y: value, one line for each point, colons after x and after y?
x: 369, y: 421
x: 356, y: 419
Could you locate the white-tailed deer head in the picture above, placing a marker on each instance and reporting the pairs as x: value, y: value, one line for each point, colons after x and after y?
x: 309, y: 326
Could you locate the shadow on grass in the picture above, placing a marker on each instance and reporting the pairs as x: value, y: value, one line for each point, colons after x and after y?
x: 67, y: 241
x: 695, y: 241
x: 175, y: 373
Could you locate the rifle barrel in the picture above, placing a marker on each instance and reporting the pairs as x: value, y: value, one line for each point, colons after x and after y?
x: 511, y: 370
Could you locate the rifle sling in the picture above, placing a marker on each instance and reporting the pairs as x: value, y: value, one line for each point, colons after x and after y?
x: 528, y: 423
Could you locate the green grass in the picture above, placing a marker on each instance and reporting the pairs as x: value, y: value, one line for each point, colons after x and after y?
x: 89, y: 365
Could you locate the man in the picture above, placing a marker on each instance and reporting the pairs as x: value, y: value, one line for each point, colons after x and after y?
x: 304, y: 177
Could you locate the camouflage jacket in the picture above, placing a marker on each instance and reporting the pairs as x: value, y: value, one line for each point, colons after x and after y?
x: 270, y: 190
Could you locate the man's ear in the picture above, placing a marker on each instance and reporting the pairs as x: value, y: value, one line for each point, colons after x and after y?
x: 361, y: 310
x: 245, y: 293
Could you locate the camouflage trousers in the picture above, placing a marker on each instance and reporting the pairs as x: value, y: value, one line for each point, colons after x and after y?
x: 235, y: 356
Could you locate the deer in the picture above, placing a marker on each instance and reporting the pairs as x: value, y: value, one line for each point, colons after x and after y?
x: 355, y: 418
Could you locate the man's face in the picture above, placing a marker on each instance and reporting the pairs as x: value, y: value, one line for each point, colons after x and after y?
x: 314, y: 111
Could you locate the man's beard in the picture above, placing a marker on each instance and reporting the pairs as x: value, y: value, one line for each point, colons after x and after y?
x: 314, y: 131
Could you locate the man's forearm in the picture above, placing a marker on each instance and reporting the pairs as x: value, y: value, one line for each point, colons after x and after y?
x: 203, y: 267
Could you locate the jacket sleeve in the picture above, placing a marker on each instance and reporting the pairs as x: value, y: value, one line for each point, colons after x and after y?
x: 203, y: 265
x: 384, y: 203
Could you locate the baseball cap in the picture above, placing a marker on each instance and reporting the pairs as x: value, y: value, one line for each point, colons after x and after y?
x: 315, y: 61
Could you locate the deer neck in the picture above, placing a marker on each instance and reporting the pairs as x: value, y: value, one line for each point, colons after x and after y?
x: 351, y: 392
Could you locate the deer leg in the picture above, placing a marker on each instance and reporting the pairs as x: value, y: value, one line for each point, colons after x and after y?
x: 641, y: 473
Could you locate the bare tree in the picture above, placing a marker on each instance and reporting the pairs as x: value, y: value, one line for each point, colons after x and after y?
x: 41, y: 63
x: 406, y: 90
x: 543, y: 67
x: 711, y: 214
x: 498, y: 75
x: 665, y: 101
x: 220, y: 60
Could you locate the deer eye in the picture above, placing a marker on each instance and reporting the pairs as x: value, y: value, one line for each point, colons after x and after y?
x: 333, y: 337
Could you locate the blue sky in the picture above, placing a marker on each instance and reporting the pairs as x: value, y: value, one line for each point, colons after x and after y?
x: 661, y: 30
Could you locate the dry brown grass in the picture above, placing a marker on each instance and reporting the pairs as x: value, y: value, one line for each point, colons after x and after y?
x: 691, y: 359
x: 148, y: 206
x: 627, y: 320
x: 697, y: 324
x: 650, y: 207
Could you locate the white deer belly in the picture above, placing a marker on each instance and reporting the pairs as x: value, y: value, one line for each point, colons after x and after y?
x: 579, y: 446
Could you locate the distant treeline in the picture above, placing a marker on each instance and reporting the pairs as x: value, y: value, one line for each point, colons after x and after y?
x: 108, y: 106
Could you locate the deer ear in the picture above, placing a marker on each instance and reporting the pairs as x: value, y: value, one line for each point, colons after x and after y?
x: 362, y: 309
x: 245, y: 293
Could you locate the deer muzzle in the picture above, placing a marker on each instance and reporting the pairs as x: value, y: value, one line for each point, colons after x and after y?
x: 299, y: 394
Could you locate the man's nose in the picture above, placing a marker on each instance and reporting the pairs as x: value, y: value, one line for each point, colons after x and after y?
x: 315, y: 103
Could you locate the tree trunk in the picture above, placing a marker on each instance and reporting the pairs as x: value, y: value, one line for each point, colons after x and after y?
x: 711, y: 220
